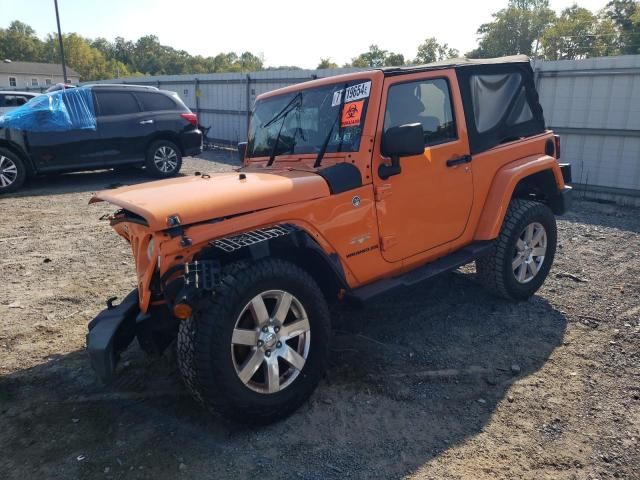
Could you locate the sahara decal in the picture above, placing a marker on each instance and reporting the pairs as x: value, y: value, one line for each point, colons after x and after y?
x: 364, y: 250
x: 351, y: 114
x: 355, y: 92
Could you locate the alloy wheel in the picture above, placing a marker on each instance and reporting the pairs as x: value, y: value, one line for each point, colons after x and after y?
x: 270, y: 341
x: 165, y: 159
x: 8, y: 171
x: 530, y: 251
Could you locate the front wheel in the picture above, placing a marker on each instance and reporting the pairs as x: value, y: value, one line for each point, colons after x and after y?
x: 12, y: 171
x: 163, y: 159
x: 523, y: 253
x: 256, y: 350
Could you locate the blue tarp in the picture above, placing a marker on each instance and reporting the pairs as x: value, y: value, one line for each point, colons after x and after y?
x: 68, y: 109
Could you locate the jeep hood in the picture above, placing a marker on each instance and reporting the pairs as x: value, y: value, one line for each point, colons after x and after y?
x: 199, y: 198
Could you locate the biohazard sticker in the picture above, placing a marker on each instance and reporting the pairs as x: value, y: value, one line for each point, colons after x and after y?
x: 355, y: 92
x: 351, y: 114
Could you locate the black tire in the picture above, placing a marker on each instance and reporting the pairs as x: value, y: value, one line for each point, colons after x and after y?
x: 204, y: 343
x: 13, y: 171
x: 495, y: 271
x: 163, y: 159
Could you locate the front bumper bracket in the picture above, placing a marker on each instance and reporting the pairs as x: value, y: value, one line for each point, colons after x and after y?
x: 110, y: 333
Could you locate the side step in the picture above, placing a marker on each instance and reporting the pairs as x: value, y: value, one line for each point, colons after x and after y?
x: 442, y: 265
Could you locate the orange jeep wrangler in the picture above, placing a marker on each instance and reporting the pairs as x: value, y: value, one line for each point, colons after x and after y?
x: 350, y: 186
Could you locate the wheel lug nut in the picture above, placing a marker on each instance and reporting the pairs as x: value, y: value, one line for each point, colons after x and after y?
x: 276, y: 329
x: 260, y: 343
x: 264, y: 329
x: 279, y: 344
x: 268, y: 353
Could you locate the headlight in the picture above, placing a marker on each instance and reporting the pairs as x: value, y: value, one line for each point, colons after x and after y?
x: 150, y: 248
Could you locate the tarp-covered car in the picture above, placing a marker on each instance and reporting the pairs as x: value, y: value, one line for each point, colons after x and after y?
x: 96, y: 127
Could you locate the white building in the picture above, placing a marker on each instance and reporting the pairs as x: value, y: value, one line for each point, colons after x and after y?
x: 33, y: 75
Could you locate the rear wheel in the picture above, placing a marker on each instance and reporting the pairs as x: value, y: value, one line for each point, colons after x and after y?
x: 163, y: 159
x: 523, y: 253
x: 12, y: 171
x: 257, y: 349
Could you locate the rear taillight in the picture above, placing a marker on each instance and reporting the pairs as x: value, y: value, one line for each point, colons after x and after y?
x: 556, y: 139
x: 192, y: 118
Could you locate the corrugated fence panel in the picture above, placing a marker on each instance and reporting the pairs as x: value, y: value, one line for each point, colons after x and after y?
x: 593, y: 104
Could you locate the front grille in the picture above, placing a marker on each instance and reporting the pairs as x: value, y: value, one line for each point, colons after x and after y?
x: 246, y: 239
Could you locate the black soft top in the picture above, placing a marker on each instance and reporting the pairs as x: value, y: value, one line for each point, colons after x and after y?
x: 454, y: 63
x: 499, y: 97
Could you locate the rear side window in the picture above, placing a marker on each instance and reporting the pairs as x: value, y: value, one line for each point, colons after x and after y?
x: 493, y: 95
x: 116, y: 103
x: 427, y: 102
x: 155, y: 101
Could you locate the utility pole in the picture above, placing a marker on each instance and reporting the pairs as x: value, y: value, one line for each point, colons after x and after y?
x: 64, y: 68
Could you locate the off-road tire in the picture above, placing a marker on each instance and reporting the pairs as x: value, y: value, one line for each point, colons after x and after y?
x: 150, y: 161
x: 10, y: 158
x: 185, y: 343
x: 204, y: 341
x: 495, y: 271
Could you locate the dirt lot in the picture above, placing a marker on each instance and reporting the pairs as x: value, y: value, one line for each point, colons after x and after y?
x: 437, y: 381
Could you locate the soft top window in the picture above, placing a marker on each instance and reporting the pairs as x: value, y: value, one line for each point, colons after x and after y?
x: 500, y: 102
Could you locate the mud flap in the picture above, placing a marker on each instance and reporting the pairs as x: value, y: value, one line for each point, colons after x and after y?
x: 110, y: 333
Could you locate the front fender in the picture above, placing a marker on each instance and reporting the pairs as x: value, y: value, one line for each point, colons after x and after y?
x: 503, y: 186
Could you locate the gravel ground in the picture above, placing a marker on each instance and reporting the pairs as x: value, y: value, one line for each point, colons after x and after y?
x: 437, y: 381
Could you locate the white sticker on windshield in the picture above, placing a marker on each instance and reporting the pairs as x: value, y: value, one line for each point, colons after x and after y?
x: 355, y: 92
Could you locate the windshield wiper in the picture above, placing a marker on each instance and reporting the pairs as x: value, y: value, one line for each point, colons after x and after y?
x: 282, y: 115
x: 285, y: 111
x: 325, y: 144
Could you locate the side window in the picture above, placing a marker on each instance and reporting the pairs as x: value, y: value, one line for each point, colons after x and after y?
x: 427, y: 102
x: 116, y: 103
x: 155, y: 101
x: 493, y: 95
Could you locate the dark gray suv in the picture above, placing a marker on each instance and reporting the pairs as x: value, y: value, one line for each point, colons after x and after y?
x: 132, y: 125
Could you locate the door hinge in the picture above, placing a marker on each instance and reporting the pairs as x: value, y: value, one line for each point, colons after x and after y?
x: 388, y: 242
x: 382, y: 191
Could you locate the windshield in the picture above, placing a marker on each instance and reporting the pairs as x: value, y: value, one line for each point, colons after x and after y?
x: 299, y: 122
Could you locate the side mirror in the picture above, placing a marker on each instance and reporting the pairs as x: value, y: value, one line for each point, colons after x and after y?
x: 402, y: 141
x: 242, y: 151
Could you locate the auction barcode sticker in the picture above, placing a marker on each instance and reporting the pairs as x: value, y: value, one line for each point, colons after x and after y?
x: 355, y: 92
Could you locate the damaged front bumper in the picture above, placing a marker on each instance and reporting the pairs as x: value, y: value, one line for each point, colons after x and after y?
x: 110, y: 333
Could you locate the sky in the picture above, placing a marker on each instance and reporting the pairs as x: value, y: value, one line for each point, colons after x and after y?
x: 285, y: 32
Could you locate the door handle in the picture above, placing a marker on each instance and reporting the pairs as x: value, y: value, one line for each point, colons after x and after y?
x: 452, y: 162
x: 146, y: 122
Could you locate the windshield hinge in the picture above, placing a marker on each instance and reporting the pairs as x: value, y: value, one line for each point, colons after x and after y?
x: 387, y: 242
x: 382, y: 191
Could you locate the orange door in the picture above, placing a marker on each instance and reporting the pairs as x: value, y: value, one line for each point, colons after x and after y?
x: 428, y: 203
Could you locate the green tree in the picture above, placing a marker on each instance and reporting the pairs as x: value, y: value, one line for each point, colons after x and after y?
x: 394, y: 60
x: 100, y: 58
x: 20, y: 43
x: 431, y: 51
x: 578, y: 33
x: 326, y: 63
x: 250, y: 62
x: 376, y: 58
x: 514, y: 29
x: 625, y: 14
